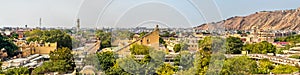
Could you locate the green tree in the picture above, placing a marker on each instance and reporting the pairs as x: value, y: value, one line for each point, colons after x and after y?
x: 63, y: 54
x: 185, y: 59
x: 7, y: 45
x: 34, y: 33
x: 265, y: 66
x: 15, y: 36
x: 61, y: 66
x: 91, y: 59
x: 104, y: 37
x: 18, y: 71
x: 207, y: 46
x: 267, y: 47
x: 148, y: 65
x: 285, y: 69
x: 33, y: 38
x: 116, y: 70
x: 105, y: 44
x: 147, y: 58
x: 172, y: 38
x: 233, y: 45
x: 249, y: 48
x: 130, y: 65
x: 137, y: 49
x: 61, y: 60
x: 166, y: 69
x: 202, y: 62
x: 162, y: 41
x: 261, y: 48
x: 177, y: 48
x: 239, y: 66
x: 62, y: 39
x: 184, y: 46
x: 215, y: 64
x: 239, y: 32
x: 166, y: 34
x: 191, y: 71
x: 45, y: 68
x: 106, y: 60
x: 142, y: 34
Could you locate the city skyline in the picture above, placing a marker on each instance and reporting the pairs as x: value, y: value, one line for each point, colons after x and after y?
x: 64, y: 13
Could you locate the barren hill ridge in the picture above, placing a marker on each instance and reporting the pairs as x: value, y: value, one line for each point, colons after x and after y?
x: 274, y: 20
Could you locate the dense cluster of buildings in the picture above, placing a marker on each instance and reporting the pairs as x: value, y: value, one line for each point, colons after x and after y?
x: 190, y: 36
x: 9, y: 31
x: 29, y: 54
x: 33, y: 53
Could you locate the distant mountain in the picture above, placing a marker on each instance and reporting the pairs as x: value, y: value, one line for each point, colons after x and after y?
x: 274, y: 20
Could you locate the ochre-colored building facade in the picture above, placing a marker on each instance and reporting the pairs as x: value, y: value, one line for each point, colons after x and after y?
x: 36, y: 48
x: 151, y: 39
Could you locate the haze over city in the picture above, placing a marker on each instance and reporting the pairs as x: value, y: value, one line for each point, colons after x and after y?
x: 150, y: 37
x: 107, y: 13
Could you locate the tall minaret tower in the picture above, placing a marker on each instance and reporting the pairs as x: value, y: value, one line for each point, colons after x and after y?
x: 40, y: 23
x: 78, y: 25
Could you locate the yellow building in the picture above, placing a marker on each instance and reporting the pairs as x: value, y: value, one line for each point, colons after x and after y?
x: 44, y: 49
x: 258, y: 35
x: 35, y: 48
x: 151, y: 39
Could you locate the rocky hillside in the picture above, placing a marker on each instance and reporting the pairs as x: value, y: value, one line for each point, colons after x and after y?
x: 274, y: 20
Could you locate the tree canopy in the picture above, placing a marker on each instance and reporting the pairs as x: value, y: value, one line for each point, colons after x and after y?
x: 285, y: 69
x: 116, y: 70
x: 148, y: 65
x: 260, y: 48
x: 185, y: 59
x: 166, y: 69
x: 17, y: 71
x: 239, y: 66
x: 61, y: 60
x: 106, y: 60
x: 204, y: 57
x: 265, y: 66
x: 8, y: 45
x: 137, y: 49
x: 177, y: 47
x: 104, y: 37
x: 212, y: 44
x: 233, y: 45
x: 63, y: 54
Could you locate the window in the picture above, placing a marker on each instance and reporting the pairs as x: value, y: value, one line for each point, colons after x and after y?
x: 148, y: 41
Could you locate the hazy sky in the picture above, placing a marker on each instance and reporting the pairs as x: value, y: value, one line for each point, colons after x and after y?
x: 130, y: 13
